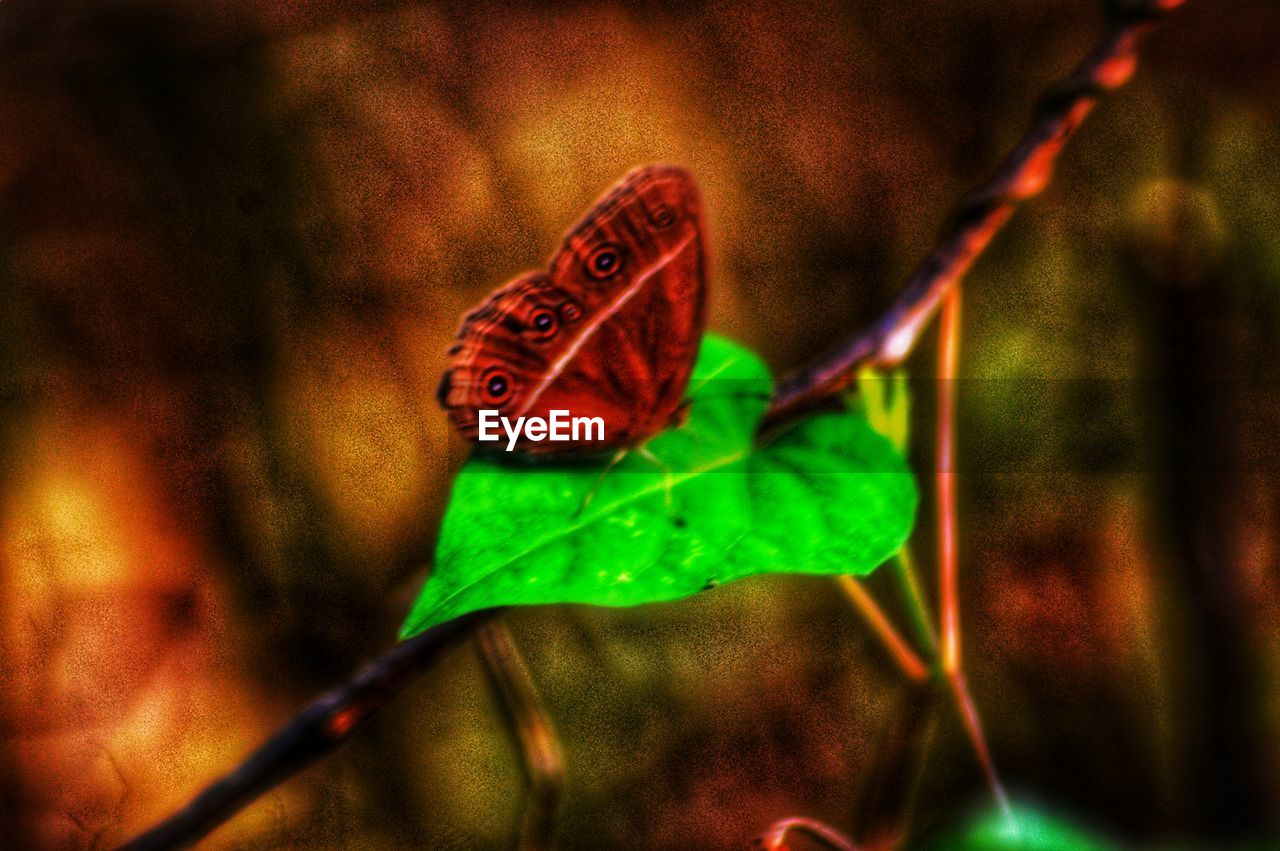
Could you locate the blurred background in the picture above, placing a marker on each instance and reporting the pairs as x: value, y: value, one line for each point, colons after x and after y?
x: 236, y: 239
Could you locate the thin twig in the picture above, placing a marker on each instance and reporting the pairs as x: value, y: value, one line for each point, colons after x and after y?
x: 907, y: 660
x: 539, y: 746
x: 948, y: 569
x: 330, y: 721
x: 1023, y: 173
x: 775, y: 838
x: 973, y: 727
x: 948, y: 547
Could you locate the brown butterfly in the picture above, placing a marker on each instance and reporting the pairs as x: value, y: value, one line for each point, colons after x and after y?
x: 609, y: 329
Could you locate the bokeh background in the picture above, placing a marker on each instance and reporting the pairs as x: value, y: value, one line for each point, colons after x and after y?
x: 235, y: 242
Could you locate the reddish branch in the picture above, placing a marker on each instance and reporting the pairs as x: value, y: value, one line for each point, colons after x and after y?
x: 1023, y: 173
x: 331, y: 720
x: 314, y: 732
x: 775, y: 838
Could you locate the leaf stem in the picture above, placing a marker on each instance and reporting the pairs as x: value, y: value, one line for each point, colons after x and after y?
x: 978, y: 738
x: 907, y: 660
x: 917, y: 607
x: 540, y: 748
x: 948, y: 580
x: 948, y: 552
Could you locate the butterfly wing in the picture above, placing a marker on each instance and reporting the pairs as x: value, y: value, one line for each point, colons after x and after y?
x: 610, y: 330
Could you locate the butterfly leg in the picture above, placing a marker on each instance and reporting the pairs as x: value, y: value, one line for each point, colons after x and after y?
x: 595, y: 486
x: 680, y: 415
x: 668, y: 480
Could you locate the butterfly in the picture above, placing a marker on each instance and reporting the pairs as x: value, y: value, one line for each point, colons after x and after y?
x: 609, y: 329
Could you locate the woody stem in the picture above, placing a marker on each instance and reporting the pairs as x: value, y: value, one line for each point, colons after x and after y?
x: 1023, y: 173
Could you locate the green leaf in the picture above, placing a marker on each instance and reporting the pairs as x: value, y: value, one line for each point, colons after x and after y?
x: 830, y: 496
x: 707, y: 506
x: 1023, y: 828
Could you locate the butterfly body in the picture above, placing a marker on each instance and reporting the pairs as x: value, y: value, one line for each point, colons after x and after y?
x: 609, y: 329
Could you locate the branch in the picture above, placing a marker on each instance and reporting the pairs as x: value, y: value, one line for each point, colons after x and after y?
x: 331, y: 720
x: 1023, y: 173
x: 314, y: 732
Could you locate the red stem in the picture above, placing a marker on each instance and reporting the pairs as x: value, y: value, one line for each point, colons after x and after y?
x: 948, y: 570
x: 907, y: 660
x: 775, y: 838
x: 948, y: 547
